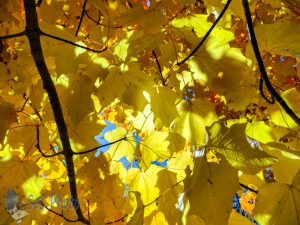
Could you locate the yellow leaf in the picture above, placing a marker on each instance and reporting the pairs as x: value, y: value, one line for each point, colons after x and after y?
x: 193, y: 117
x: 279, y: 42
x: 138, y: 217
x: 210, y: 191
x: 86, y: 130
x: 78, y: 101
x: 144, y: 183
x: 163, y: 105
x: 292, y: 98
x: 288, y: 162
x: 13, y: 174
x: 278, y: 203
x: 178, y: 163
x: 32, y: 187
x: 170, y: 190
x: 125, y: 147
x: 121, y: 49
x: 8, y: 116
x: 154, y: 147
x: 242, y: 152
x: 237, y: 219
x: 112, y: 87
x: 261, y: 131
x: 198, y: 22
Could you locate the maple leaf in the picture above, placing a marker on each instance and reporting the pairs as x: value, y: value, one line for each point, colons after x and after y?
x: 7, y: 111
x: 241, y: 152
x: 208, y: 193
x: 279, y: 201
x: 186, y: 106
x: 193, y: 117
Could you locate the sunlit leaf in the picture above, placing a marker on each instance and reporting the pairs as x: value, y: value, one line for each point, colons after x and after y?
x: 278, y: 203
x: 242, y: 152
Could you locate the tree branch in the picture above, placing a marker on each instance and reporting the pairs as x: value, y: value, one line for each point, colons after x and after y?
x: 81, y: 17
x: 58, y: 214
x: 260, y: 63
x: 159, y: 68
x: 248, y: 188
x: 33, y: 34
x: 206, y: 35
x: 39, y: 147
x: 12, y: 35
x: 72, y: 43
x: 98, y: 147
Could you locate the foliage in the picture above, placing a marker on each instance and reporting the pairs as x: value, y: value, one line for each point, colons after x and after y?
x: 193, y: 118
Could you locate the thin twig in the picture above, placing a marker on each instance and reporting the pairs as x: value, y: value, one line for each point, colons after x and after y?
x: 12, y: 35
x: 98, y: 147
x: 72, y: 43
x: 206, y: 35
x: 159, y: 68
x: 23, y: 106
x: 261, y: 66
x: 58, y: 214
x: 39, y: 147
x: 81, y: 17
x: 118, y: 220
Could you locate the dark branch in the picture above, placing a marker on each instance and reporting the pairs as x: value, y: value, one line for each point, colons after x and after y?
x: 33, y: 34
x: 159, y: 68
x: 98, y: 147
x: 13, y: 35
x: 248, y: 188
x: 260, y: 63
x: 206, y: 35
x: 39, y: 147
x: 72, y: 43
x: 81, y: 17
